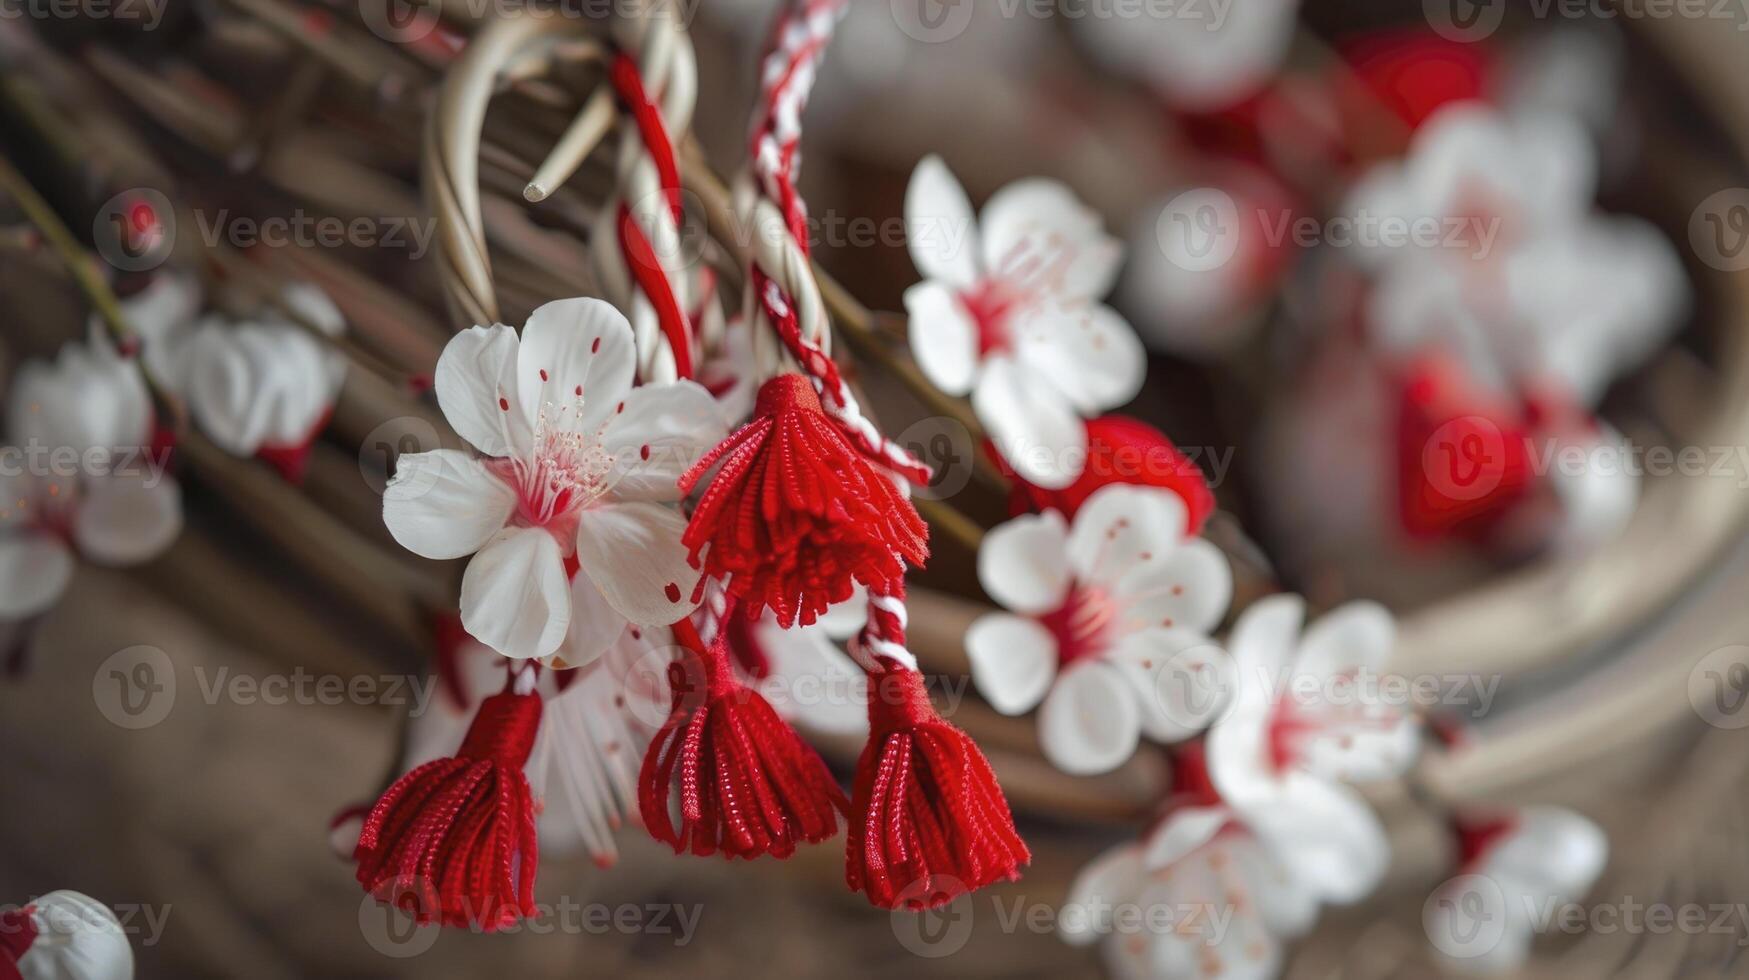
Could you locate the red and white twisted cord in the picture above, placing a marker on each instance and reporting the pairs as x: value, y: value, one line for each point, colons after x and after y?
x: 643, y: 270
x: 781, y: 285
x: 880, y: 646
x: 713, y: 611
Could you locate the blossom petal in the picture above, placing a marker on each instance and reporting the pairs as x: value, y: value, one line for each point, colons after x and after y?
x: 1355, y: 636
x: 812, y: 682
x: 88, y: 399
x: 1188, y: 587
x: 1088, y: 353
x: 1089, y: 723
x: 595, y: 625
x: 1024, y: 563
x: 445, y: 503
x: 944, y: 339
x: 1120, y: 529
x: 1326, y: 835
x: 663, y: 431
x: 1265, y: 636
x: 1286, y: 908
x: 1183, y: 832
x: 515, y: 598
x: 476, y: 388
x: 34, y: 571
x: 1359, y: 742
x: 576, y: 363
x: 126, y: 520
x: 1039, y: 223
x: 227, y: 397
x: 1183, y: 680
x: 1111, y: 879
x: 1554, y: 851
x: 633, y: 553
x: 1035, y: 429
x: 1238, y: 746
x: 1013, y: 660
x: 939, y: 227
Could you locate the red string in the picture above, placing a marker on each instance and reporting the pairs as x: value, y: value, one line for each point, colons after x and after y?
x: 641, y: 259
x: 640, y: 256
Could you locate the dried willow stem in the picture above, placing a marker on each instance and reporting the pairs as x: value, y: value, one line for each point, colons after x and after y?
x: 72, y: 254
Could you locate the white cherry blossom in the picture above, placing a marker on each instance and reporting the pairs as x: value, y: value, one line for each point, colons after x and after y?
x: 1108, y: 625
x: 1308, y: 711
x: 1009, y: 312
x: 1214, y: 892
x: 84, y: 480
x: 1514, y: 273
x: 577, y: 463
x: 1483, y: 921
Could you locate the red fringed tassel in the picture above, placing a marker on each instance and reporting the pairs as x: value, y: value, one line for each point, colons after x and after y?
x: 453, y: 841
x: 929, y: 822
x: 748, y: 784
x: 797, y: 515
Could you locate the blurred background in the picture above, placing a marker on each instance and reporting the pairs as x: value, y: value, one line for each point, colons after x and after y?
x: 1586, y: 163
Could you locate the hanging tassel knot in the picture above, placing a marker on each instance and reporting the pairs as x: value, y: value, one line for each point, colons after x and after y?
x: 796, y: 515
x: 748, y: 785
x: 929, y: 821
x: 453, y: 841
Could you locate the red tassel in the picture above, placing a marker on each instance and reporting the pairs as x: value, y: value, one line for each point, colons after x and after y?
x: 748, y: 783
x: 453, y: 841
x: 929, y: 821
x: 796, y: 515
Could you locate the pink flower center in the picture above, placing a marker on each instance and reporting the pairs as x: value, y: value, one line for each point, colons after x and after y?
x: 1295, y: 725
x: 567, y: 472
x: 1085, y: 625
x: 991, y: 304
x: 49, y: 510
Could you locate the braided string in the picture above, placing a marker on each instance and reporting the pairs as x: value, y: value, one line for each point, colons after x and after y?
x: 880, y: 645
x: 781, y: 281
x: 644, y: 273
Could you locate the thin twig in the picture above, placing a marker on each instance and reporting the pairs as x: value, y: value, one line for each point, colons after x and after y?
x: 96, y: 291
